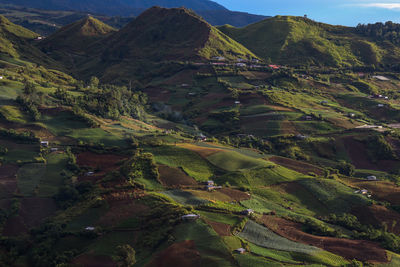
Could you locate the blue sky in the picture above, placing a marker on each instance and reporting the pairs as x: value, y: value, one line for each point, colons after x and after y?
x: 340, y: 12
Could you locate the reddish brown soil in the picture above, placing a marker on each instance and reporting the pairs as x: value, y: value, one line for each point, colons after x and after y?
x: 288, y: 127
x: 236, y: 195
x: 7, y: 171
x: 157, y: 94
x: 89, y: 260
x: 202, y: 151
x: 102, y: 163
x: 382, y: 190
x: 179, y: 254
x: 15, y: 226
x: 8, y: 180
x: 350, y: 249
x: 359, y: 156
x: 298, y: 166
x: 378, y: 216
x: 175, y: 177
x: 121, y: 210
x: 358, y: 153
x: 32, y: 212
x: 220, y: 228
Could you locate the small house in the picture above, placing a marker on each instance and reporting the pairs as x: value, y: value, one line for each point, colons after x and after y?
x: 53, y: 149
x: 324, y: 102
x: 1, y: 77
x: 191, y: 93
x: 364, y: 191
x: 247, y: 212
x: 241, y: 60
x: 240, y: 250
x: 237, y: 102
x: 371, y: 178
x: 240, y: 65
x: 255, y: 60
x: 301, y: 137
x: 209, y: 187
x: 210, y: 182
x: 381, y: 105
x: 44, y: 143
x: 190, y: 217
x: 184, y: 85
x: 386, y: 98
x: 352, y: 115
x: 90, y: 228
x: 218, y: 58
x: 89, y: 173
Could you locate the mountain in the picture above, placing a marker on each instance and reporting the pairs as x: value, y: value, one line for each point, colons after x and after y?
x: 77, y: 36
x: 160, y: 35
x: 298, y: 40
x: 212, y: 11
x: 16, y: 43
x: 46, y: 22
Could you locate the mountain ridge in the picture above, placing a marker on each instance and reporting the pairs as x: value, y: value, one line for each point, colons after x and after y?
x: 214, y: 13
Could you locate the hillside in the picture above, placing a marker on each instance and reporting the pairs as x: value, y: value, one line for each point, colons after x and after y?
x: 77, y: 37
x: 297, y: 40
x: 159, y: 35
x: 46, y: 22
x: 212, y: 11
x: 185, y: 161
x: 16, y: 42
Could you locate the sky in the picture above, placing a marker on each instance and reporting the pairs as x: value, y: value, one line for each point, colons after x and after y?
x: 337, y: 12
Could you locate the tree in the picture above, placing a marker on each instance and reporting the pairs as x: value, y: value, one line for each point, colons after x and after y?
x: 29, y: 88
x: 346, y: 168
x: 94, y: 82
x: 126, y: 256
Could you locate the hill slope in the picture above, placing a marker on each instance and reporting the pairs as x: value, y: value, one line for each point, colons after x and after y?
x: 212, y: 11
x: 297, y: 40
x: 77, y: 36
x: 15, y: 42
x: 171, y: 34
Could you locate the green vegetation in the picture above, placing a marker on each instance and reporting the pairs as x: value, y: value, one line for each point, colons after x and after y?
x: 263, y: 237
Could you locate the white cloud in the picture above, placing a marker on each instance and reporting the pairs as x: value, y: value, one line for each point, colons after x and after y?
x: 391, y: 6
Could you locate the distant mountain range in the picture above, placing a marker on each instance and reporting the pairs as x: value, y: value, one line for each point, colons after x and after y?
x: 214, y: 13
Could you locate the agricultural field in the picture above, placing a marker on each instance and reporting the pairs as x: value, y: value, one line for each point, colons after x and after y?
x: 171, y: 157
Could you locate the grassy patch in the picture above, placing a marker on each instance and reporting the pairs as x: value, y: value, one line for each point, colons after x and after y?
x: 263, y: 237
x: 189, y: 161
x: 233, y: 161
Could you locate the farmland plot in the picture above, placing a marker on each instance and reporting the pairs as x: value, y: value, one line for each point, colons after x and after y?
x: 263, y: 237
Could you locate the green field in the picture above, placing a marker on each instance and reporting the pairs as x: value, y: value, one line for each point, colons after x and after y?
x: 263, y: 237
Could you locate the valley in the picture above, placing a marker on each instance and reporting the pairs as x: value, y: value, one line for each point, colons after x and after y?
x: 171, y: 142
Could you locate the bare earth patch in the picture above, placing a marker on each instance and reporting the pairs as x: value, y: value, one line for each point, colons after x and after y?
x: 298, y: 166
x: 221, y: 229
x: 90, y: 260
x: 175, y: 177
x: 179, y: 254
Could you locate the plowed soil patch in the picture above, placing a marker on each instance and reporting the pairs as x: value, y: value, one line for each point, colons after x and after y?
x: 102, y: 162
x: 382, y: 190
x: 358, y: 154
x: 8, y: 180
x: 350, y: 249
x: 174, y: 177
x: 89, y: 260
x: 234, y: 194
x: 220, y: 228
x: 7, y: 171
x: 298, y: 166
x: 35, y: 210
x: 378, y: 216
x: 202, y: 151
x: 15, y: 226
x: 122, y: 210
x: 179, y: 254
x: 31, y: 213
